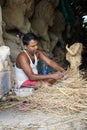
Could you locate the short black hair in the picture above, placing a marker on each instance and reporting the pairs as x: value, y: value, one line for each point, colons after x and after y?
x: 28, y: 37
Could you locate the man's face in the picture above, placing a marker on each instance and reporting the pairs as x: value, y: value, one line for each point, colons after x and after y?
x: 32, y: 47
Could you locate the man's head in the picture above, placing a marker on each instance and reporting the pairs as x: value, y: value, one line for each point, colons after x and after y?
x: 28, y: 37
x: 30, y: 42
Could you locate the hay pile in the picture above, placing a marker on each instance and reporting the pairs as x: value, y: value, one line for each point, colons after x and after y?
x: 65, y: 96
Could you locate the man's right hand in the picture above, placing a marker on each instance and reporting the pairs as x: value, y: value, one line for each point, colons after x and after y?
x: 57, y: 75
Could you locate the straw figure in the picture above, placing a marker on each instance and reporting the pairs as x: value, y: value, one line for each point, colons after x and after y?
x: 73, y: 56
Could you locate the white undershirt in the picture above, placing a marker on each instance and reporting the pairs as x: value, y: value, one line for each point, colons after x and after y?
x: 19, y: 73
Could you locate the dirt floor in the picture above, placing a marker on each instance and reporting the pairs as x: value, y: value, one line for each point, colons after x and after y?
x: 14, y: 119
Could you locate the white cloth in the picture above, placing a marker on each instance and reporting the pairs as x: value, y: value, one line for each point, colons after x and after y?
x: 19, y: 73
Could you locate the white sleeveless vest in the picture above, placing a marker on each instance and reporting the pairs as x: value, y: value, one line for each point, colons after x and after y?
x: 19, y: 73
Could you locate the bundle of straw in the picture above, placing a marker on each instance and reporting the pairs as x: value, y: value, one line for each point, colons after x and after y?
x: 65, y: 96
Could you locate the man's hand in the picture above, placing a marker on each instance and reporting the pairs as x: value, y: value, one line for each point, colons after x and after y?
x: 58, y: 75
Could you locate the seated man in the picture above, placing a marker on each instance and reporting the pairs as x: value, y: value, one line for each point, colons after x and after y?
x: 26, y: 64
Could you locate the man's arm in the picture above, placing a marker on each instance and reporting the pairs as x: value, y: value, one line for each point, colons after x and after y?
x: 50, y: 62
x: 23, y: 63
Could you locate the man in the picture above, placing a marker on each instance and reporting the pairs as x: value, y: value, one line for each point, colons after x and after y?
x: 26, y: 64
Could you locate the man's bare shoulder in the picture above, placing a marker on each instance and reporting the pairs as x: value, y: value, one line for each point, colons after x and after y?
x: 21, y: 56
x: 40, y: 54
x: 22, y: 59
